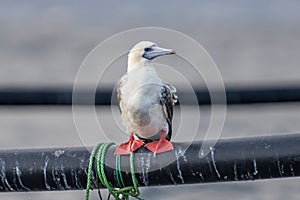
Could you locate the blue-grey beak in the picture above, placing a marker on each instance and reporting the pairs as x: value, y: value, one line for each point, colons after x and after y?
x: 155, y: 51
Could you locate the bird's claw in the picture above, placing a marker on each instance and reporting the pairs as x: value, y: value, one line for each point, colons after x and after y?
x: 128, y: 147
x: 159, y: 146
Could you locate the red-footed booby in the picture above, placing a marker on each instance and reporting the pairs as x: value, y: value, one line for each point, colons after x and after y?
x: 146, y: 102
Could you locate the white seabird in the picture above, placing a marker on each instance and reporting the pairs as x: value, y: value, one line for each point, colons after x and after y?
x: 146, y: 102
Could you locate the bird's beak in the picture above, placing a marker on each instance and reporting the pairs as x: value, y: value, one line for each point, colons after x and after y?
x: 157, y: 51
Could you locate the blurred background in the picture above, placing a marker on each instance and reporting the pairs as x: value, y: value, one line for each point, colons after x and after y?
x: 253, y: 42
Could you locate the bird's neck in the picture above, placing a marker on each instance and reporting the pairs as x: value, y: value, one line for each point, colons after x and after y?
x: 135, y: 62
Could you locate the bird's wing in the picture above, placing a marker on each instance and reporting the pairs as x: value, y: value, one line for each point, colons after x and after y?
x: 122, y: 81
x: 168, y: 99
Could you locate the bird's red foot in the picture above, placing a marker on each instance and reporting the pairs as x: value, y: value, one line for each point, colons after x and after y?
x: 128, y: 147
x: 160, y: 146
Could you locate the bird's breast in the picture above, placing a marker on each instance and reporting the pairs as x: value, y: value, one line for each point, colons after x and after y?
x: 142, y: 112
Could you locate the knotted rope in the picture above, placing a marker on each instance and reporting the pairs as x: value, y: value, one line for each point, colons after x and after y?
x: 121, y: 193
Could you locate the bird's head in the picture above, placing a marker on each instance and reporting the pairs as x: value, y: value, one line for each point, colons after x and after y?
x: 143, y: 52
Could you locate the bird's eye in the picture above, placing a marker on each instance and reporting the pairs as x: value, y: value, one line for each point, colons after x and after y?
x: 147, y: 49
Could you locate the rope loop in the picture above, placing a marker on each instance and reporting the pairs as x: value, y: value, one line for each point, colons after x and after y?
x: 121, y: 193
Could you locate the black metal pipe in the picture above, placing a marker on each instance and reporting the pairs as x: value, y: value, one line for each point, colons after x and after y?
x: 14, y: 96
x: 229, y: 160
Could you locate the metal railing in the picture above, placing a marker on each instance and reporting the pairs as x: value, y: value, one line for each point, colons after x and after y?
x: 240, y: 159
x: 246, y: 95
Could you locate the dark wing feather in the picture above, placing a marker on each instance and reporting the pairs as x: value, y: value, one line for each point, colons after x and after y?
x: 168, y: 99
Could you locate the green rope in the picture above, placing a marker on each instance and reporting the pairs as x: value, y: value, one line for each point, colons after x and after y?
x: 119, y: 173
x: 121, y: 193
x: 90, y: 169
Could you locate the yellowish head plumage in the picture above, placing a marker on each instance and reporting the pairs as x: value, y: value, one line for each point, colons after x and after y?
x: 143, y: 52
